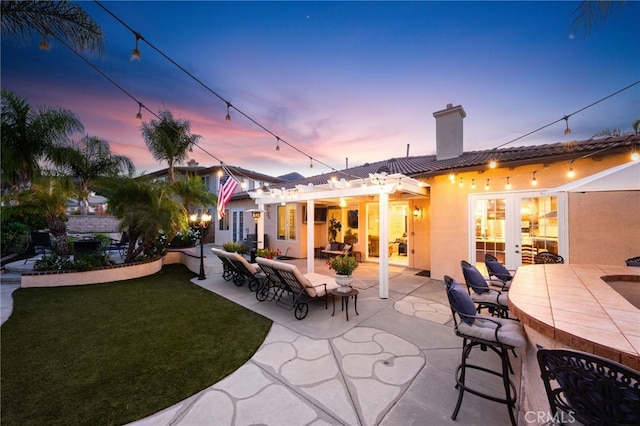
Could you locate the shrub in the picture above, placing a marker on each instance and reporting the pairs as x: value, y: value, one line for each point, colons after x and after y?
x: 268, y: 253
x: 234, y: 247
x: 187, y: 239
x: 86, y: 263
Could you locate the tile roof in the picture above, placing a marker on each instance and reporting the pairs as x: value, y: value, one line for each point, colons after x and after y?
x: 427, y: 165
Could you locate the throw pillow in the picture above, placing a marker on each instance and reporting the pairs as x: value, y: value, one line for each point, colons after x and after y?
x: 346, y: 247
x: 328, y: 247
x: 499, y: 270
x: 475, y: 279
x: 461, y: 302
x: 335, y: 246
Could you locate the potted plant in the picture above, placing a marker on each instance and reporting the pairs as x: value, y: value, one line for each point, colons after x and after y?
x: 268, y: 253
x: 343, y: 265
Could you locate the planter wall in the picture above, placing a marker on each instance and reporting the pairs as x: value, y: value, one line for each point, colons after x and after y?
x: 107, y: 274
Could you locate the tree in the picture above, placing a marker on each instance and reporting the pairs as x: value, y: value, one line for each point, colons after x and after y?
x: 146, y: 209
x: 169, y: 139
x: 48, y: 197
x: 192, y: 192
x: 87, y: 160
x: 590, y: 13
x: 28, y: 136
x: 66, y: 21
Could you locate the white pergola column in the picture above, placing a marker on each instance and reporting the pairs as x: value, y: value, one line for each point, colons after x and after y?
x: 311, y: 218
x: 260, y: 240
x: 383, y: 232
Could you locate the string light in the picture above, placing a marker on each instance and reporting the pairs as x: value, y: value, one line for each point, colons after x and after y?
x: 228, y: 117
x: 461, y: 183
x: 567, y: 131
x: 571, y: 174
x: 473, y: 184
x: 493, y: 163
x: 277, y: 143
x: 310, y: 163
x: 634, y: 155
x: 139, y: 114
x: 135, y: 54
x: 44, y: 43
x: 534, y: 181
x: 452, y: 177
x: 508, y: 186
x: 486, y: 187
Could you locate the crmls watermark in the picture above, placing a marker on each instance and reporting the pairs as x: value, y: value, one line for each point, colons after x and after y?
x: 543, y: 417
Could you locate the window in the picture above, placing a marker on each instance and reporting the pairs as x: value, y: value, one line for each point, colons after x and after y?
x: 287, y: 222
x: 223, y: 224
x: 206, y: 180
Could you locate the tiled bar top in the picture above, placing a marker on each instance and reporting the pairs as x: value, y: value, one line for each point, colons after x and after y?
x: 575, y: 306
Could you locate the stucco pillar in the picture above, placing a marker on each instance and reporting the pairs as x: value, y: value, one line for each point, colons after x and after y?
x: 310, y: 235
x: 383, y: 232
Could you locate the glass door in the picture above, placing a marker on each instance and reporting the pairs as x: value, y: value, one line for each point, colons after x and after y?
x: 514, y: 227
x: 237, y: 225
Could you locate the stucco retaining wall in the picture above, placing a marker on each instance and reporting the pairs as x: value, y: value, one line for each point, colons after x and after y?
x: 107, y: 274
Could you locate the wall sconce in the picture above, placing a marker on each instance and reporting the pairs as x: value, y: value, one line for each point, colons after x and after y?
x: 416, y: 212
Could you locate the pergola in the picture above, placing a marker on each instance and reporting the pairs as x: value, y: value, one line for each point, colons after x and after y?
x: 378, y: 185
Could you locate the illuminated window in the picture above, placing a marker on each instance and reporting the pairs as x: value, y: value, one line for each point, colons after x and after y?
x: 287, y: 222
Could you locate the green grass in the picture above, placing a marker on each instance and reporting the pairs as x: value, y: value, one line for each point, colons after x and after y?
x: 114, y: 353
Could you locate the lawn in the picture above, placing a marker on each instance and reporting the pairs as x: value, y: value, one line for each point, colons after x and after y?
x: 117, y: 352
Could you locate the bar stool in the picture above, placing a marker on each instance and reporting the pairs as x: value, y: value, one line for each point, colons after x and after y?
x: 501, y: 335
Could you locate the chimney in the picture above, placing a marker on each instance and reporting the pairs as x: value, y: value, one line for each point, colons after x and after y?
x: 449, y: 142
x: 192, y: 164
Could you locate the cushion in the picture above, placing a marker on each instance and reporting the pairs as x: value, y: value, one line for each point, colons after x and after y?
x: 328, y: 247
x: 346, y: 247
x: 461, y: 302
x: 499, y: 270
x: 475, y: 279
x: 633, y: 263
x: 511, y: 332
x: 335, y: 246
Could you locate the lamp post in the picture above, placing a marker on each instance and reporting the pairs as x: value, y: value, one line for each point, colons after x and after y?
x: 255, y: 214
x: 201, y: 221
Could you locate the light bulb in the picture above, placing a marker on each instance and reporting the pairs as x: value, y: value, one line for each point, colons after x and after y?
x: 277, y: 144
x: 473, y: 184
x: 452, y: 177
x: 534, y: 181
x: 567, y: 130
x: 486, y: 187
x: 635, y: 156
x: 508, y: 186
x: 135, y: 54
x: 493, y: 164
x: 571, y: 174
x: 228, y: 116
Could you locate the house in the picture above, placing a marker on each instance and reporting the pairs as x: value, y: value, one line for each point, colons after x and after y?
x: 579, y: 199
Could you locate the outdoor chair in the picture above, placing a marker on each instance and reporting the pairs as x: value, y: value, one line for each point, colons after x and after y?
x: 547, y: 257
x: 296, y: 289
x: 586, y: 388
x: 40, y: 243
x: 228, y: 270
x: 245, y: 272
x: 482, y: 294
x: 498, y: 271
x: 272, y: 287
x: 501, y: 335
x: 121, y: 245
x: 634, y: 261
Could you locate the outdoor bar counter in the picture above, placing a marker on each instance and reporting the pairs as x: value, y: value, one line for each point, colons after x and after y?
x: 575, y: 307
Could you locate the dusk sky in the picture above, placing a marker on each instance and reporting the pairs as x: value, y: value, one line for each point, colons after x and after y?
x: 340, y: 79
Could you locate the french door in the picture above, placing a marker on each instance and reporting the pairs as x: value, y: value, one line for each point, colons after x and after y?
x: 237, y: 225
x: 514, y: 227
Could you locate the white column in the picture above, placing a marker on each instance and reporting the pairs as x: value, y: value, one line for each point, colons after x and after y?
x: 260, y: 240
x: 383, y: 232
x: 310, y: 235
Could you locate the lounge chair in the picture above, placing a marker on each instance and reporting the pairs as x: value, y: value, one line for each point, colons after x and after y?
x: 228, y: 270
x: 121, y: 245
x: 293, y: 289
x: 245, y: 272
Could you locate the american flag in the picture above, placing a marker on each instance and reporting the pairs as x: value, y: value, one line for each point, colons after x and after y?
x: 226, y: 191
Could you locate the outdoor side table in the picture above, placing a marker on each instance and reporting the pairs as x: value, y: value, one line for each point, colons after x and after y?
x: 344, y: 299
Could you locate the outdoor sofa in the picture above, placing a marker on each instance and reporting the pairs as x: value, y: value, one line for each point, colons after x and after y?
x: 336, y: 249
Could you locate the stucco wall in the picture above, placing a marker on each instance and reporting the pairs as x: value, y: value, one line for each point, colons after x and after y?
x: 604, y: 227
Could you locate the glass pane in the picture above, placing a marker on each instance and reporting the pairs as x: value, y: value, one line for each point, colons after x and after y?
x: 539, y: 226
x: 489, y: 216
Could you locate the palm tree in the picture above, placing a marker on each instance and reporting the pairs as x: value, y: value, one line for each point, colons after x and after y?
x: 192, y: 192
x: 28, y: 135
x: 48, y: 197
x: 66, y: 21
x: 590, y: 13
x: 146, y: 209
x: 87, y: 160
x: 169, y: 140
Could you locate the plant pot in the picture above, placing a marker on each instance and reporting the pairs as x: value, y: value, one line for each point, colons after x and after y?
x: 344, y: 282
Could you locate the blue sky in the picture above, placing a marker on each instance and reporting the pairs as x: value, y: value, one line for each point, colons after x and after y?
x: 340, y: 79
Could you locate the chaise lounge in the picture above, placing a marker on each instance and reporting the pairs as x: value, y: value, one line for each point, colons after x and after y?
x: 236, y: 268
x: 290, y: 288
